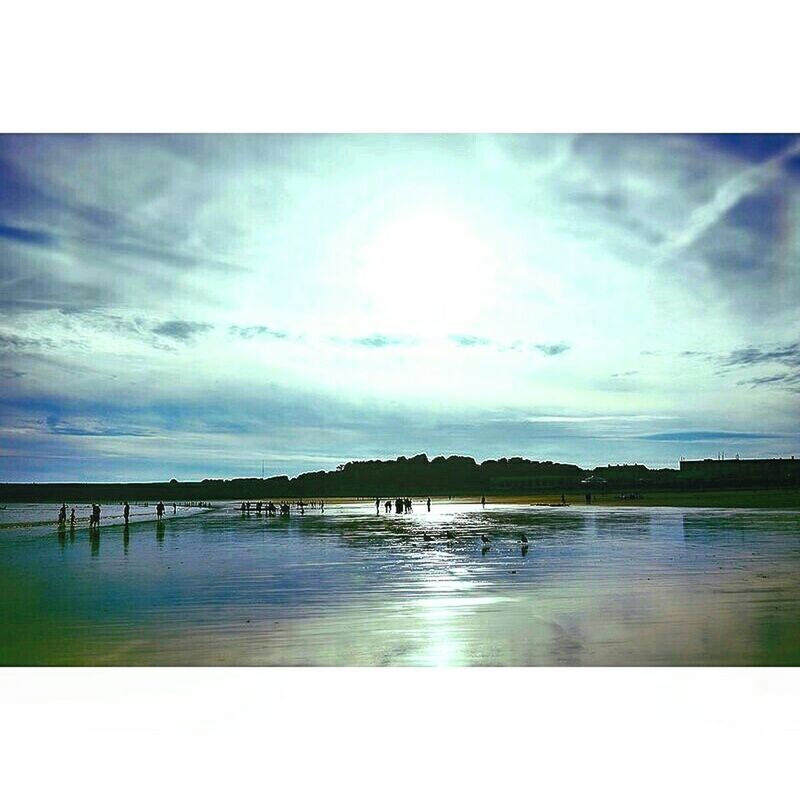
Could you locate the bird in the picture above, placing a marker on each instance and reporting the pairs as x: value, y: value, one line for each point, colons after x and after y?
x: 523, y: 538
x: 484, y: 538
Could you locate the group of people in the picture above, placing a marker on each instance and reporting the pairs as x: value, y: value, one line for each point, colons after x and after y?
x: 94, y: 515
x: 62, y: 516
x: 272, y: 510
x: 402, y: 505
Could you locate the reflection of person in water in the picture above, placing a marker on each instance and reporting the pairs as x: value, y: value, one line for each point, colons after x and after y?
x: 160, y: 527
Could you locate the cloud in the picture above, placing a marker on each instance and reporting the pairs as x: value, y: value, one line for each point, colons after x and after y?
x: 257, y: 331
x: 750, y: 356
x: 181, y: 330
x: 746, y: 182
x: 469, y: 341
x: 26, y: 235
x: 707, y: 436
x: 553, y: 349
x: 378, y: 340
x: 11, y: 341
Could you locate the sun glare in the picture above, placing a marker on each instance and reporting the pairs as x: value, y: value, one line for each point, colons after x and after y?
x: 439, y: 258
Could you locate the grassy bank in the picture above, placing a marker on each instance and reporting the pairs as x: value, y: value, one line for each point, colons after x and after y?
x: 732, y: 498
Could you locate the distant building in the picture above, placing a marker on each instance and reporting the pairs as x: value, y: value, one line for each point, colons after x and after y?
x: 772, y: 471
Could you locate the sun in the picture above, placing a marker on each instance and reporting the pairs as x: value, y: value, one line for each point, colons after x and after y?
x: 436, y: 270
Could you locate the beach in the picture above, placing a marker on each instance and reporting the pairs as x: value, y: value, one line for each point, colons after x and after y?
x: 593, y: 586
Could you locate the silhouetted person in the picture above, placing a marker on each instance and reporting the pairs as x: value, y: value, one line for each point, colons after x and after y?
x: 126, y: 511
x: 563, y: 500
x: 62, y: 514
x: 174, y: 508
x: 377, y: 505
x: 429, y: 504
x: 322, y: 506
x: 388, y: 506
x: 95, y: 518
x: 242, y: 508
x: 72, y: 518
x: 398, y: 506
x: 160, y: 510
x: 483, y: 502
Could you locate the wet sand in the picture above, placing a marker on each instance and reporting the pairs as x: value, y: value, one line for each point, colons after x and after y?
x: 595, y: 586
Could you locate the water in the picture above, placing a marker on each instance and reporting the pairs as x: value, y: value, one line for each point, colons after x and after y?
x: 595, y: 586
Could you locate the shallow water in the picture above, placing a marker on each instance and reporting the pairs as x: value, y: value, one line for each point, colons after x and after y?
x: 594, y: 586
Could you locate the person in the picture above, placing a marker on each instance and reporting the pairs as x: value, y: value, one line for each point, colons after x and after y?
x: 563, y: 500
x: 242, y: 508
x: 174, y: 507
x: 95, y: 519
x: 62, y: 514
x: 72, y: 518
x: 388, y: 506
x: 126, y: 511
x: 160, y: 510
x: 398, y: 506
x: 429, y: 504
x: 483, y: 502
x: 377, y: 505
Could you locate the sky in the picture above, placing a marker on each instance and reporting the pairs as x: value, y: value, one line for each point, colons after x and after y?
x: 194, y: 306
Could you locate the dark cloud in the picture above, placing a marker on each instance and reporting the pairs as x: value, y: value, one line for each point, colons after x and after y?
x: 553, y: 349
x: 254, y: 331
x: 181, y: 330
x: 754, y: 147
x: 26, y: 236
x: 706, y: 436
x: 788, y: 355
